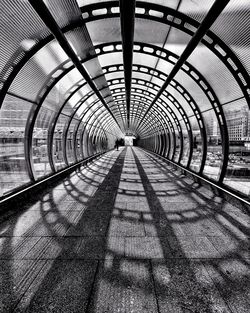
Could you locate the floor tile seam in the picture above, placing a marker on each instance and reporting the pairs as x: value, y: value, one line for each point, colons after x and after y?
x: 54, y: 236
x: 182, y: 236
x: 129, y: 240
x: 202, y: 260
x: 117, y: 236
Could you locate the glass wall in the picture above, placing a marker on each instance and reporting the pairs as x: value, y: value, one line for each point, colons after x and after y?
x: 40, y: 142
x: 215, y: 75
x: 69, y: 141
x: 197, y: 145
x: 238, y: 121
x: 58, y: 142
x: 13, y: 117
x: 214, y: 147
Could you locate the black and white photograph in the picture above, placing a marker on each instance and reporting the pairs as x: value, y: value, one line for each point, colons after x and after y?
x: 124, y: 156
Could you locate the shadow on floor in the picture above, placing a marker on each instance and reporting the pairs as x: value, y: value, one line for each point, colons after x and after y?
x: 125, y: 235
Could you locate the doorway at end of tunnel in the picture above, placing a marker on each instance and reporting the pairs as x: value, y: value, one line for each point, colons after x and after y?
x: 129, y: 140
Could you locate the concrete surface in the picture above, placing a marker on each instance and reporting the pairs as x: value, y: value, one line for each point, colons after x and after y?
x: 126, y: 234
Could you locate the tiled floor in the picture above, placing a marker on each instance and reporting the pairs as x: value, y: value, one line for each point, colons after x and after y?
x: 125, y: 234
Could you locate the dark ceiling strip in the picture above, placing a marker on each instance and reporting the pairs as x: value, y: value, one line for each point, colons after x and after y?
x: 127, y: 17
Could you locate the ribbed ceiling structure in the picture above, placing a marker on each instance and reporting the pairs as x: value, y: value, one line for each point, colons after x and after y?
x: 78, y: 74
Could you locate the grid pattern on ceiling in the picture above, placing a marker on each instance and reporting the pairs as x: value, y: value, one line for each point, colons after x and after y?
x: 103, y: 30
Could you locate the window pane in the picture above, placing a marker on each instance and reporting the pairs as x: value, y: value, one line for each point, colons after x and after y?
x: 197, y: 145
x: 238, y: 122
x: 57, y: 142
x: 40, y: 139
x: 13, y: 170
x: 214, y: 149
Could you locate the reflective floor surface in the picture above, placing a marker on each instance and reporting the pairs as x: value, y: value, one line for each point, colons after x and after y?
x: 127, y: 233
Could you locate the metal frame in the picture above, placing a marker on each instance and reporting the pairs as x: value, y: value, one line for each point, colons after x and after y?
x: 127, y: 18
x: 176, y: 19
x: 137, y: 68
x: 168, y: 110
x: 210, y: 40
x: 171, y: 98
x: 197, y: 78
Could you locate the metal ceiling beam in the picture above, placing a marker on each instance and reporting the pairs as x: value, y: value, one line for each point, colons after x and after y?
x: 44, y: 13
x: 127, y: 17
x: 211, y: 16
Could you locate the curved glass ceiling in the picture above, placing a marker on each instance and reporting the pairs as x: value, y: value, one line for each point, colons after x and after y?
x: 76, y: 75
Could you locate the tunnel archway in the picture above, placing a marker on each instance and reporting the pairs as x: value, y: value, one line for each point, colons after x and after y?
x: 78, y: 80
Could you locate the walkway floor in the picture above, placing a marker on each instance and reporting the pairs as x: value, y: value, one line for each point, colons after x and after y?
x: 125, y: 234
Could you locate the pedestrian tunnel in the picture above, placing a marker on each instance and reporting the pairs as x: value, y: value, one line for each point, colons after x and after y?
x: 78, y: 75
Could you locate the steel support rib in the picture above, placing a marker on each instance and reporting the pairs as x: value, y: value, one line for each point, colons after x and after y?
x: 127, y: 16
x: 52, y: 25
x: 212, y: 15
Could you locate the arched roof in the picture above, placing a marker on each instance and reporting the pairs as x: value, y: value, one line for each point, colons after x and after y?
x: 177, y: 69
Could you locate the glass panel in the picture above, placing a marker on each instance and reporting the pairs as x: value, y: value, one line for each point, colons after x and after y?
x: 105, y: 30
x: 40, y: 138
x: 64, y: 11
x: 214, y: 148
x: 86, y: 2
x: 57, y: 142
x: 186, y: 144
x: 62, y: 90
x: 180, y: 98
x: 216, y: 73
x: 37, y: 69
x: 78, y: 142
x: 197, y: 145
x: 177, y: 41
x: 110, y: 140
x: 13, y: 171
x: 144, y: 59
x: 92, y: 141
x: 18, y: 15
x: 173, y: 107
x: 150, y: 32
x: 147, y: 77
x: 196, y: 9
x: 85, y: 141
x: 114, y: 75
x: 178, y: 145
x: 238, y: 121
x: 195, y: 90
x: 232, y: 26
x: 169, y: 142
x: 111, y: 58
x: 70, y: 143
x: 170, y: 3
